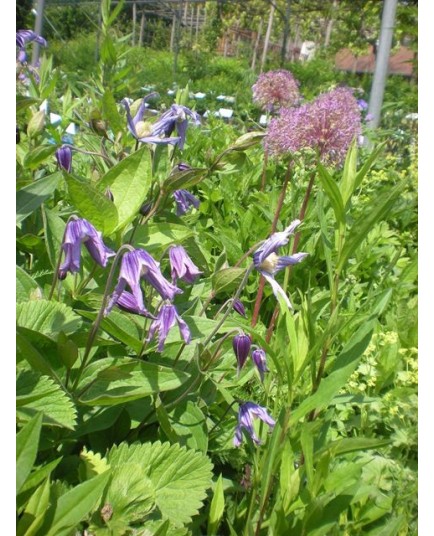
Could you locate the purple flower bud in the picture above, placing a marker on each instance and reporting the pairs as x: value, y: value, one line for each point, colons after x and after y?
x: 241, y: 344
x: 182, y: 266
x: 258, y: 358
x: 246, y: 414
x: 64, y: 158
x: 239, y: 307
x: 166, y: 319
x: 182, y: 166
x: 145, y: 208
x: 77, y: 232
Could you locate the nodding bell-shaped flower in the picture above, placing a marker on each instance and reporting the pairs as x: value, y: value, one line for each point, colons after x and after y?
x: 128, y: 302
x: 239, y: 307
x: 182, y: 266
x: 241, y: 344
x: 23, y: 37
x: 184, y: 201
x: 141, y: 130
x: 64, y: 158
x: 260, y: 361
x: 139, y: 264
x: 246, y: 414
x: 268, y: 263
x: 166, y: 319
x: 77, y: 232
x: 176, y: 117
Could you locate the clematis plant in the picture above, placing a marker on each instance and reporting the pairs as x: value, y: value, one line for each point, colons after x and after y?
x: 182, y: 266
x: 167, y: 318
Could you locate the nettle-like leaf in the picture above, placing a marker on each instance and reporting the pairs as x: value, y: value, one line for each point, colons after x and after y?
x: 93, y: 463
x: 47, y: 317
x: 37, y: 393
x: 26, y: 286
x: 180, y: 477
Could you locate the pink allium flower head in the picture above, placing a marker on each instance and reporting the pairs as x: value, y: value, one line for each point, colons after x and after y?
x: 276, y: 89
x: 328, y: 125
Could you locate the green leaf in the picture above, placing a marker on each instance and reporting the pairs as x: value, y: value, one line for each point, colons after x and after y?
x: 359, y: 230
x: 92, y: 204
x: 35, y: 157
x: 33, y: 195
x: 26, y: 286
x: 332, y: 191
x: 189, y: 424
x: 54, y: 228
x: 129, y: 182
x: 158, y: 236
x: 353, y: 444
x: 27, y: 448
x: 34, y: 479
x: 40, y: 394
x: 346, y: 363
x: 25, y: 102
x: 183, y: 179
x: 180, y: 477
x: 367, y: 165
x: 47, y: 317
x: 217, y: 508
x: 75, y: 505
x: 35, y: 511
x: 125, y: 379
x: 227, y: 280
x: 110, y: 112
x: 348, y: 182
x: 94, y: 463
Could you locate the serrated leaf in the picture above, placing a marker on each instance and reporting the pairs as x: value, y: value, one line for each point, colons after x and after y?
x: 179, y: 476
x: 92, y: 204
x: 33, y: 195
x: 129, y: 181
x: 124, y: 379
x: 27, y: 448
x: 25, y: 286
x: 75, y: 505
x: 94, y: 463
x: 47, y: 317
x: 227, y: 280
x: 40, y: 394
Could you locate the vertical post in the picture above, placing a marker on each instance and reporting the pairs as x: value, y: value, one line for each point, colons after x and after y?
x: 172, y: 33
x: 267, y: 37
x: 286, y: 29
x: 382, y: 62
x: 255, y: 49
x: 197, y: 21
x: 142, y: 28
x: 38, y: 30
x: 134, y: 23
x: 98, y: 32
x: 329, y: 27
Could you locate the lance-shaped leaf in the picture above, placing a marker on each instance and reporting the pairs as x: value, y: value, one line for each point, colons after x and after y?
x: 183, y: 179
x: 33, y: 195
x: 27, y: 448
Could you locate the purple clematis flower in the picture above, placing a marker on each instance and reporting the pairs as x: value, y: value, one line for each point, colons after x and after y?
x: 259, y: 359
x: 142, y: 131
x: 246, y: 413
x: 27, y: 36
x: 128, y: 302
x: 64, y: 158
x: 77, y: 232
x: 184, y: 200
x: 135, y: 265
x: 182, y: 266
x: 239, y: 307
x: 268, y: 263
x: 241, y: 344
x: 166, y: 319
x: 176, y: 117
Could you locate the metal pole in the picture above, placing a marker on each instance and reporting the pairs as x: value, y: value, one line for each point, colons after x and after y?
x: 38, y: 30
x: 382, y: 62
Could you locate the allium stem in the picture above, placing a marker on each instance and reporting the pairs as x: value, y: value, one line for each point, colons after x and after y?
x: 273, y: 230
x: 94, y: 329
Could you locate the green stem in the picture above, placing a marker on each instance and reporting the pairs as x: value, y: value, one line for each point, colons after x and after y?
x: 59, y: 260
x: 95, y: 326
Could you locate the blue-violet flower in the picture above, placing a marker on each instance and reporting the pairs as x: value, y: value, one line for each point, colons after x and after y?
x: 259, y: 359
x: 268, y: 263
x: 64, y: 158
x: 166, y: 319
x: 241, y: 344
x: 246, y: 413
x: 184, y: 201
x: 77, y: 232
x: 182, y: 266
